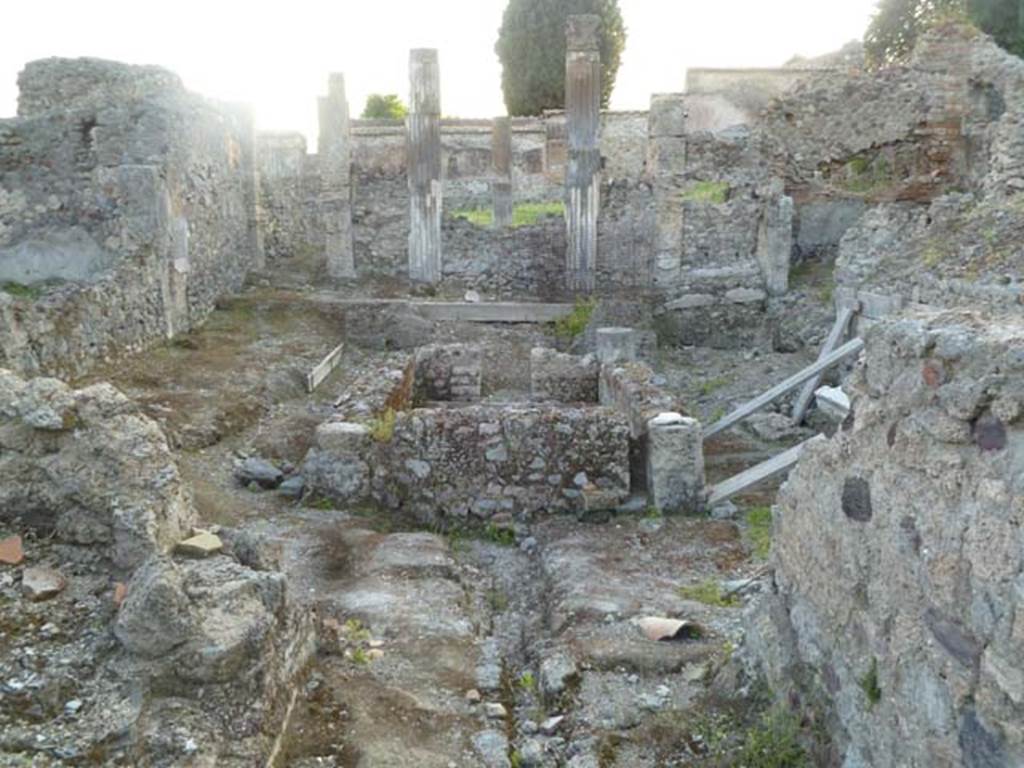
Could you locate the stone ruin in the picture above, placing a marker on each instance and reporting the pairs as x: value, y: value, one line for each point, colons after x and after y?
x: 459, y: 442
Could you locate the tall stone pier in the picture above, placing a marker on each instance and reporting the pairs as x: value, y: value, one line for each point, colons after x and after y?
x: 583, y: 171
x: 334, y: 150
x: 423, y: 150
x: 501, y: 186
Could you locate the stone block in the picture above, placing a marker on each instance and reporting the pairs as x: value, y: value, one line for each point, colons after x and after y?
x: 343, y: 438
x: 616, y: 345
x: 675, y: 463
x: 667, y: 116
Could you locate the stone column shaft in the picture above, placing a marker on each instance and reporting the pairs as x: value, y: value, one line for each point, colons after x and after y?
x: 501, y: 186
x: 583, y: 171
x: 334, y: 150
x: 423, y: 148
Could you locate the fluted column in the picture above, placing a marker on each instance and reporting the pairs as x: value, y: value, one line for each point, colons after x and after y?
x: 583, y: 172
x: 423, y: 148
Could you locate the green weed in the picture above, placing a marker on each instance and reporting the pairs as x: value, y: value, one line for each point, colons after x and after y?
x: 573, y: 324
x: 869, y: 684
x: 710, y: 593
x: 759, y: 531
x: 708, y: 192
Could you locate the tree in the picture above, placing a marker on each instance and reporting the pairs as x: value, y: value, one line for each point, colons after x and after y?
x: 531, y: 48
x: 380, y: 106
x: 897, y: 24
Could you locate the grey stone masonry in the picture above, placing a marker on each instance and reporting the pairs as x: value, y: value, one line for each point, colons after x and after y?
x: 583, y: 174
x: 448, y: 372
x: 616, y: 345
x: 501, y: 186
x: 666, y: 161
x: 675, y: 463
x: 561, y: 377
x: 334, y: 150
x: 423, y: 147
x: 775, y: 242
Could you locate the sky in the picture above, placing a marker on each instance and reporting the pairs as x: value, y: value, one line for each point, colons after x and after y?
x: 276, y: 55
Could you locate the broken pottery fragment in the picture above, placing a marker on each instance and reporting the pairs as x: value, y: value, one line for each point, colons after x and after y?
x: 660, y: 628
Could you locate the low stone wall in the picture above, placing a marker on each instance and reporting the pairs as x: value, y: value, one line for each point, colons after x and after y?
x: 563, y: 378
x: 476, y: 462
x: 897, y: 552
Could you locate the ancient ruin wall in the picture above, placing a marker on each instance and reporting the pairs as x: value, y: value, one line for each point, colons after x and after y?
x: 127, y: 206
x: 898, y: 552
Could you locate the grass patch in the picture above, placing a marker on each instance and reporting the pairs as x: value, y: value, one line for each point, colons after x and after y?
x: 506, y: 537
x: 528, y: 682
x: 527, y: 214
x: 708, y: 192
x: 523, y: 214
x: 323, y: 504
x: 869, y: 684
x: 717, y: 415
x: 21, y: 291
x: 759, y: 531
x: 382, y: 427
x: 774, y: 742
x: 709, y: 593
x: 711, y: 385
x: 573, y: 324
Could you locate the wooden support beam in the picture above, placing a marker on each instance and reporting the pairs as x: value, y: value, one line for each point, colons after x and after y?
x: 323, y: 369
x: 803, y: 402
x: 756, y: 474
x: 851, y: 347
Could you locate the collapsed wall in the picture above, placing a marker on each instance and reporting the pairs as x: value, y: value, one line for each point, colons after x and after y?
x: 897, y: 552
x: 127, y: 207
x: 911, y: 175
x: 213, y: 645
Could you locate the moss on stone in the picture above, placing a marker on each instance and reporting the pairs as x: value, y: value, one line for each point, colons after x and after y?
x: 710, y: 192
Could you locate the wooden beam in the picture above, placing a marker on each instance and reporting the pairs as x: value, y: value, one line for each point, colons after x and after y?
x: 803, y: 402
x: 323, y: 369
x: 851, y: 347
x: 756, y: 474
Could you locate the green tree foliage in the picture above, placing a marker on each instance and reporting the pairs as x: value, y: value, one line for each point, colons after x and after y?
x: 380, y: 106
x: 531, y: 48
x: 897, y: 24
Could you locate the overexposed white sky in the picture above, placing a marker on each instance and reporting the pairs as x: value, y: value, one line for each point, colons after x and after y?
x: 276, y: 55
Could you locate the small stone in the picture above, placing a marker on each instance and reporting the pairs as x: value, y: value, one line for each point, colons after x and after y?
x: 473, y: 696
x: 11, y: 552
x: 528, y: 545
x: 664, y: 691
x: 495, y: 711
x: 203, y: 544
x: 549, y: 726
x: 649, y: 702
x: 73, y: 706
x: 419, y: 468
x: 261, y: 471
x: 724, y: 511
x: 293, y: 487
x: 581, y: 480
x: 39, y: 583
x: 528, y: 727
x: 472, y: 297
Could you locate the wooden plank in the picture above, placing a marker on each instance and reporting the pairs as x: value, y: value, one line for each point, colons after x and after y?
x: 803, y: 402
x: 756, y: 474
x: 849, y: 348
x: 323, y: 369
x: 492, y: 311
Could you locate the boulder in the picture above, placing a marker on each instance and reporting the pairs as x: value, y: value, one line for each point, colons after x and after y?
x: 89, y: 466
